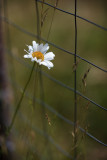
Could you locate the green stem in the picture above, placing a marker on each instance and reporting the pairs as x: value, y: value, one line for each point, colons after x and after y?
x: 18, y: 106
x: 35, y: 83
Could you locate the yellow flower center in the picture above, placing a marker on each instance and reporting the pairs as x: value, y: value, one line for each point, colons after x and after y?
x: 38, y: 55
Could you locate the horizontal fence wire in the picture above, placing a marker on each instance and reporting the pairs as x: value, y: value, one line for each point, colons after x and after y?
x: 95, y: 24
x: 62, y: 49
x: 55, y: 80
x: 50, y: 108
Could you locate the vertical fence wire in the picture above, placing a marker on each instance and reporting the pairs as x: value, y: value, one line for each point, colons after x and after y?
x: 75, y: 88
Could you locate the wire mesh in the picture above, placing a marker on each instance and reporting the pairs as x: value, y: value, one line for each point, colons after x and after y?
x: 76, y: 92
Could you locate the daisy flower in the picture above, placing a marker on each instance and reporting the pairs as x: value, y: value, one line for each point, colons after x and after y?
x: 38, y: 53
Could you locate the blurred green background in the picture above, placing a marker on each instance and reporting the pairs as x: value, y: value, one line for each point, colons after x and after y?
x: 91, y: 45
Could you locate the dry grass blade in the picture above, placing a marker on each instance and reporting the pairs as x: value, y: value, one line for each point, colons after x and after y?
x: 48, y: 119
x: 84, y: 77
x: 74, y: 67
x: 43, y: 16
x: 56, y: 4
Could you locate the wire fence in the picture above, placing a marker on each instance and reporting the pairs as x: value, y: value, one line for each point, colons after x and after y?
x: 76, y: 92
x: 50, y: 108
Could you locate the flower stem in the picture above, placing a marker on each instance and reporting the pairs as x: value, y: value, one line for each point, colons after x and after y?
x: 19, y: 104
x: 35, y: 84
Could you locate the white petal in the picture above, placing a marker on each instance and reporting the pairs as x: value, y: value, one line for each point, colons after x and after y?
x: 45, y: 48
x: 30, y: 48
x: 39, y: 60
x: 33, y: 59
x: 27, y: 56
x: 43, y: 63
x: 47, y: 63
x: 49, y: 56
x: 40, y: 47
x: 26, y: 51
x: 35, y: 45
